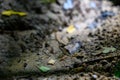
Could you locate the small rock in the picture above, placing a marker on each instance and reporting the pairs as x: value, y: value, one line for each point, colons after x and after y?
x: 96, y: 53
x: 62, y: 38
x: 55, y: 8
x: 52, y: 36
x: 95, y: 76
x: 73, y: 47
x: 51, y: 62
x: 51, y: 15
x: 44, y: 18
x: 54, y: 46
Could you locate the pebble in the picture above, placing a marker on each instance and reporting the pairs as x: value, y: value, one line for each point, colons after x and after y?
x: 52, y: 15
x: 51, y: 62
x: 95, y: 76
x: 55, y: 8
x: 52, y: 36
x: 44, y: 18
x: 62, y: 38
x: 73, y: 47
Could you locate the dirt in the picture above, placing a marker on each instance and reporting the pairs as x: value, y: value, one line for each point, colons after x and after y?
x: 89, y: 59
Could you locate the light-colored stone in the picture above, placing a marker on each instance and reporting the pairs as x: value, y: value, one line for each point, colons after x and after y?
x: 95, y: 76
x: 51, y: 62
x: 62, y: 38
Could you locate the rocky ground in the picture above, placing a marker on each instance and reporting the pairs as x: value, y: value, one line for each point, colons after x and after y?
x: 46, y: 38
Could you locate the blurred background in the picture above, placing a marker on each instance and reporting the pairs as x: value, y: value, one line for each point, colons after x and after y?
x: 59, y: 39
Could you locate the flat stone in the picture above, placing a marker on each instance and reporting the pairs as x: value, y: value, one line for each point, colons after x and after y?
x: 43, y: 17
x: 51, y: 15
x: 62, y: 38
